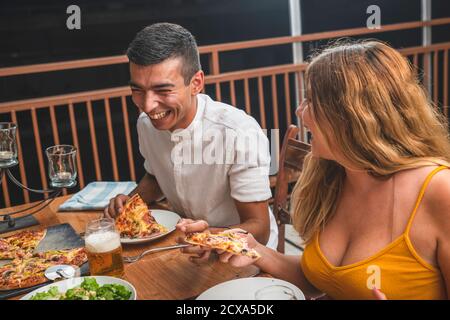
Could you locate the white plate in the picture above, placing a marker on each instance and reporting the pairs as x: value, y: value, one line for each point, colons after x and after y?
x: 245, y: 289
x: 168, y: 219
x: 67, y: 284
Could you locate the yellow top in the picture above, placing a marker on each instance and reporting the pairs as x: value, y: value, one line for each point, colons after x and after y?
x: 397, y: 270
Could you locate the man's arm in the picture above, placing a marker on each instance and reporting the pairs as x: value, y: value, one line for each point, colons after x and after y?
x: 254, y: 217
x: 148, y: 188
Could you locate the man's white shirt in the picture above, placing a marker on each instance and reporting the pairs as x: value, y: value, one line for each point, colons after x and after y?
x: 202, y: 168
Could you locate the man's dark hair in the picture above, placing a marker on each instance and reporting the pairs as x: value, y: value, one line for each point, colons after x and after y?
x: 162, y: 41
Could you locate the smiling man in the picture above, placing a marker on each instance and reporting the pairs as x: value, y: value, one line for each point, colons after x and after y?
x: 166, y: 83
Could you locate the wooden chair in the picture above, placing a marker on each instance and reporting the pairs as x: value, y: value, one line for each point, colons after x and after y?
x: 292, y: 155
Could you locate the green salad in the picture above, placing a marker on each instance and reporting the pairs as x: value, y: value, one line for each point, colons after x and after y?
x: 89, y: 289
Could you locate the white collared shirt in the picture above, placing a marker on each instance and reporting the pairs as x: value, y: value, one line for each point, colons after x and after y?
x: 201, y: 169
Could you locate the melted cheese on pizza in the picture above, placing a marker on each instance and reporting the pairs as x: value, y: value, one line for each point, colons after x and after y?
x: 136, y: 221
x: 228, y: 241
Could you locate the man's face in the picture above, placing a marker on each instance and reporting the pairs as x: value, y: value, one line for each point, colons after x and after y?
x: 160, y: 92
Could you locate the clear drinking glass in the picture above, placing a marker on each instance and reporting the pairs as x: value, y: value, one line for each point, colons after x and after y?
x: 103, y: 248
x: 275, y: 292
x: 8, y: 146
x: 62, y: 169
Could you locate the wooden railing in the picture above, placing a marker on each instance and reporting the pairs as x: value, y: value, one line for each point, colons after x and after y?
x: 101, y: 123
x: 214, y: 51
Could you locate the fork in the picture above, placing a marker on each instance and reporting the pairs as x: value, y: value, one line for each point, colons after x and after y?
x: 132, y: 259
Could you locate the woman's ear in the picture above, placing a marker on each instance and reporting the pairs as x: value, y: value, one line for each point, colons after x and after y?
x: 197, y: 83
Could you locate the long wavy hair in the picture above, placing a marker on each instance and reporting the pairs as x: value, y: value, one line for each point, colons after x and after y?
x: 377, y: 117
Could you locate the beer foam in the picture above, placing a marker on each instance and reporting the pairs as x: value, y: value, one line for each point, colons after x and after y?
x: 102, y: 241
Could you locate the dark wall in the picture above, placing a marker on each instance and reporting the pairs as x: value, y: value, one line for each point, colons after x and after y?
x: 342, y: 14
x: 36, y: 32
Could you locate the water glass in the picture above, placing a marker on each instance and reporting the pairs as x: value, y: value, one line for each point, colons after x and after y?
x: 8, y: 146
x: 62, y: 169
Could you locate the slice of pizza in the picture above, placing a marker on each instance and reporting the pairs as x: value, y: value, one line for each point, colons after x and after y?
x: 136, y: 221
x: 76, y: 256
x: 23, y: 273
x: 21, y: 244
x: 234, y: 242
x: 30, y: 271
x: 7, y: 251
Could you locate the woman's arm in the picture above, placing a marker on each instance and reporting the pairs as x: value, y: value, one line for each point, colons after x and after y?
x: 285, y: 267
x: 278, y: 265
x: 438, y: 204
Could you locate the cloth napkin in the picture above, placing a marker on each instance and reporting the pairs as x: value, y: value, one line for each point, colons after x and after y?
x: 96, y: 195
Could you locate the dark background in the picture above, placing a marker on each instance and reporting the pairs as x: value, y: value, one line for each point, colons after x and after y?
x: 35, y: 32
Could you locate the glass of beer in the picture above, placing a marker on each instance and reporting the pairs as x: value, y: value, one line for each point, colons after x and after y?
x: 103, y: 248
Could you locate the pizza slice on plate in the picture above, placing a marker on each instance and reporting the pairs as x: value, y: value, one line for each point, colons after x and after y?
x: 234, y: 242
x: 136, y: 220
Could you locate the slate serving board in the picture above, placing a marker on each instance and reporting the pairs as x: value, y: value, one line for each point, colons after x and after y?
x: 58, y: 237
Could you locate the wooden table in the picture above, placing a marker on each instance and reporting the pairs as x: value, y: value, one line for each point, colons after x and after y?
x: 162, y: 275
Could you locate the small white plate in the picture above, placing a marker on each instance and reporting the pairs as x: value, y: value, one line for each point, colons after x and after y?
x: 245, y: 289
x: 67, y: 284
x: 167, y: 218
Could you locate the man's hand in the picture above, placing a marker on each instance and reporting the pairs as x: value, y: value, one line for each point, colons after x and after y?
x: 190, y: 226
x: 148, y: 189
x: 115, y: 206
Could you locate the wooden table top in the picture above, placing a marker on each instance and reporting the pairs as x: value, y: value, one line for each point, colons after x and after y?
x: 161, y: 275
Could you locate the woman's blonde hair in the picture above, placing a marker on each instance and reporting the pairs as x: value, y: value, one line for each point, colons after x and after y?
x: 367, y: 101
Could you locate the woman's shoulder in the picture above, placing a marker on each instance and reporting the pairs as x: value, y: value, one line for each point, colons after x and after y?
x: 436, y: 198
x: 420, y: 174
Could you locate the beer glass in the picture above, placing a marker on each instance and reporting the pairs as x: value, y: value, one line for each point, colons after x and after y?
x: 103, y: 248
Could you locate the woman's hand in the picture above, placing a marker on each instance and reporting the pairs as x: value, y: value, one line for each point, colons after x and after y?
x: 238, y: 260
x: 378, y: 294
x: 190, y: 226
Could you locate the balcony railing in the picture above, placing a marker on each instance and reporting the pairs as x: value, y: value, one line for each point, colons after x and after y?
x: 98, y: 120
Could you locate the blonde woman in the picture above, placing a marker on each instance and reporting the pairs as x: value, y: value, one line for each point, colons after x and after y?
x: 373, y: 200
